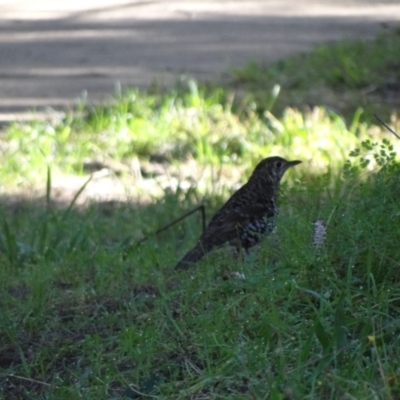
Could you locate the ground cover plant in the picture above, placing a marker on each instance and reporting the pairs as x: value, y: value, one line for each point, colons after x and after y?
x: 88, y: 313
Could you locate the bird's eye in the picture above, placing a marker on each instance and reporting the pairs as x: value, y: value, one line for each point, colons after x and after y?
x: 278, y: 164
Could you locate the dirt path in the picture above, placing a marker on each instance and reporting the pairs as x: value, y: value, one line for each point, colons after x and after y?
x: 53, y: 51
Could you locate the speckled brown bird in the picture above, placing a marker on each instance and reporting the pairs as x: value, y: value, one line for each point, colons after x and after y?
x: 247, y: 215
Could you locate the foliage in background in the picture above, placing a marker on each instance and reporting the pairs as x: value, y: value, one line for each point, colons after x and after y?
x: 344, y: 76
x: 174, y: 129
x: 220, y: 125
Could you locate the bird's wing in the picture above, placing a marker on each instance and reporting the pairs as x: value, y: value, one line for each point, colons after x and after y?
x: 242, y: 216
x: 236, y: 218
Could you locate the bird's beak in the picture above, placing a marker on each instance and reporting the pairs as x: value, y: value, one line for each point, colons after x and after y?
x: 293, y: 163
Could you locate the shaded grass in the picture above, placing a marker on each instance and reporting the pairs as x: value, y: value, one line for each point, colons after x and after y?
x: 82, y: 320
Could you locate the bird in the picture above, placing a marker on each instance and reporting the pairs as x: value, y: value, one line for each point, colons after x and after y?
x: 248, y: 214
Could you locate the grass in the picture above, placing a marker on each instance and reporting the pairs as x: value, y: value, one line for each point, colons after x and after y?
x: 79, y: 319
x: 86, y: 313
x: 344, y: 76
x: 314, y: 112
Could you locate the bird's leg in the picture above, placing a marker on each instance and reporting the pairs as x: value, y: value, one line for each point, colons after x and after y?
x: 235, y: 253
x: 239, y: 252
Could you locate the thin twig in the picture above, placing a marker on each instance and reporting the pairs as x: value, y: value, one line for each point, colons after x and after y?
x: 23, y: 378
x: 175, y: 221
x: 387, y: 127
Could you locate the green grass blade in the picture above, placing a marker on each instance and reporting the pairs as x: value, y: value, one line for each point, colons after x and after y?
x: 71, y: 205
x: 48, y: 187
x: 11, y: 245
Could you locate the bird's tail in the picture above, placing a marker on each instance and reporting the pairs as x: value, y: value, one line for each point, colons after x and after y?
x: 194, y: 255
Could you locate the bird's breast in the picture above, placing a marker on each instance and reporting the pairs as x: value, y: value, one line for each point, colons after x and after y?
x: 252, y: 233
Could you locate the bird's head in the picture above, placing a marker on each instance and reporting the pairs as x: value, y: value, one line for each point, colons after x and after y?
x: 273, y: 169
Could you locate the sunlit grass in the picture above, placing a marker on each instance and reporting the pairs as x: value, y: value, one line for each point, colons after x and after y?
x: 178, y: 127
x: 221, y: 125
